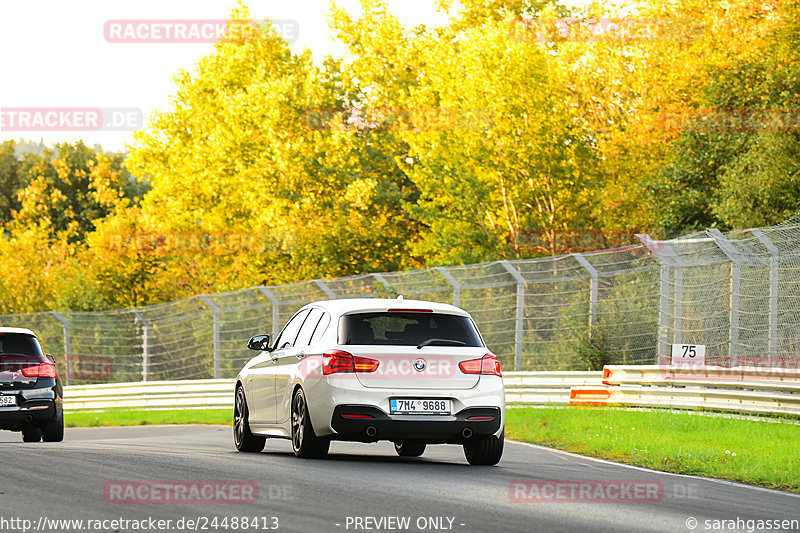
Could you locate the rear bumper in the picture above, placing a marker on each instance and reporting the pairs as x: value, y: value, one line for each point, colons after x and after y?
x: 350, y: 423
x: 33, y: 405
x: 325, y: 397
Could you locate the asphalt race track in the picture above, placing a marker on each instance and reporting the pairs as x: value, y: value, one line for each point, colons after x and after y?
x: 358, y: 488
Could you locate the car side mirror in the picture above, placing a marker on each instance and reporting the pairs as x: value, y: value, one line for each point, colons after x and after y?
x: 259, y: 343
x: 50, y: 358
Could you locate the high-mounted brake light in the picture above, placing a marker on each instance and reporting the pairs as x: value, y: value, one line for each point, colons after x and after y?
x: 341, y: 361
x: 43, y: 370
x: 487, y: 365
x: 411, y: 310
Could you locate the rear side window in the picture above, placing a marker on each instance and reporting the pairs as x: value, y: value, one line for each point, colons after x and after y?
x: 321, y: 327
x: 20, y: 344
x: 307, y: 330
x: 290, y: 331
x: 406, y: 328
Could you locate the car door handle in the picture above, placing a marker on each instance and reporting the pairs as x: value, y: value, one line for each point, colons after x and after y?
x: 300, y: 355
x: 275, y: 358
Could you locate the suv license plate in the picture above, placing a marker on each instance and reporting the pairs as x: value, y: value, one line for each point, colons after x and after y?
x: 8, y: 400
x: 419, y: 406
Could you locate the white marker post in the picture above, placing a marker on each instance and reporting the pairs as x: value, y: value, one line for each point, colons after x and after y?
x: 688, y: 354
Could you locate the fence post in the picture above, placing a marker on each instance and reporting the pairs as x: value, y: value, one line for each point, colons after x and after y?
x: 658, y: 250
x: 663, y: 314
x: 214, y: 309
x: 520, y: 313
x: 736, y: 274
x: 453, y: 282
x: 677, y: 321
x: 593, y: 291
x: 276, y: 317
x: 774, y: 272
x: 324, y: 288
x: 145, y: 344
x: 67, y: 361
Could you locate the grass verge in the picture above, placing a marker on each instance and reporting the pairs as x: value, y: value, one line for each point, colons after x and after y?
x: 141, y: 417
x: 765, y: 453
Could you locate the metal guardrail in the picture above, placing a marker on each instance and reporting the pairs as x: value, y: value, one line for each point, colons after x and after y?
x: 774, y: 391
x: 545, y: 388
x: 522, y: 388
x: 210, y: 393
x: 745, y: 390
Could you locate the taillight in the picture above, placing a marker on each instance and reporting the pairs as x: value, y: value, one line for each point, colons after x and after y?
x: 488, y: 365
x: 340, y: 361
x: 43, y: 370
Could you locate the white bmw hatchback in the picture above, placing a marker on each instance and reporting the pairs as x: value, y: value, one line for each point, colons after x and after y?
x: 410, y: 372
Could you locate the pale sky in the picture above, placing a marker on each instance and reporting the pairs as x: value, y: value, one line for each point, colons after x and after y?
x: 55, y: 54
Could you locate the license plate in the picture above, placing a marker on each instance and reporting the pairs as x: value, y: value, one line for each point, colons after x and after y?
x: 419, y: 406
x: 8, y: 400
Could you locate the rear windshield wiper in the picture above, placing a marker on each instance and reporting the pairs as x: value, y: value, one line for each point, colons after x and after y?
x: 440, y: 342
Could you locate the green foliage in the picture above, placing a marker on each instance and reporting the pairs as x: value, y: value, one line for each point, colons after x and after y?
x: 762, y: 186
x: 735, y: 162
x: 70, y: 188
x: 593, y: 348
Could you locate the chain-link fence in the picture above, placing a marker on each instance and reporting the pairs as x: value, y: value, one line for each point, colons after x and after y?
x: 735, y: 293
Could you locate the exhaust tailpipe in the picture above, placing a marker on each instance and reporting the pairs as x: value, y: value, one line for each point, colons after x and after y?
x: 28, y: 418
x: 466, y: 433
x: 371, y: 431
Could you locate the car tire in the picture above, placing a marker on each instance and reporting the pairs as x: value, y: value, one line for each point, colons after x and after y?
x: 305, y: 442
x: 409, y: 448
x: 31, y: 434
x: 53, y: 431
x: 486, y: 451
x: 243, y: 438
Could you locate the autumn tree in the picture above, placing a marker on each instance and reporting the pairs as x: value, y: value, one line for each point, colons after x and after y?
x: 12, y: 180
x: 256, y: 142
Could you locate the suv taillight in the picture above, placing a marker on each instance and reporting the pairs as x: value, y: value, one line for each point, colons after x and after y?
x: 341, y: 361
x: 488, y: 365
x: 43, y: 370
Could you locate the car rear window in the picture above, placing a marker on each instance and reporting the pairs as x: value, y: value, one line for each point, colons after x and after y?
x: 18, y: 351
x: 20, y: 344
x: 406, y: 328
